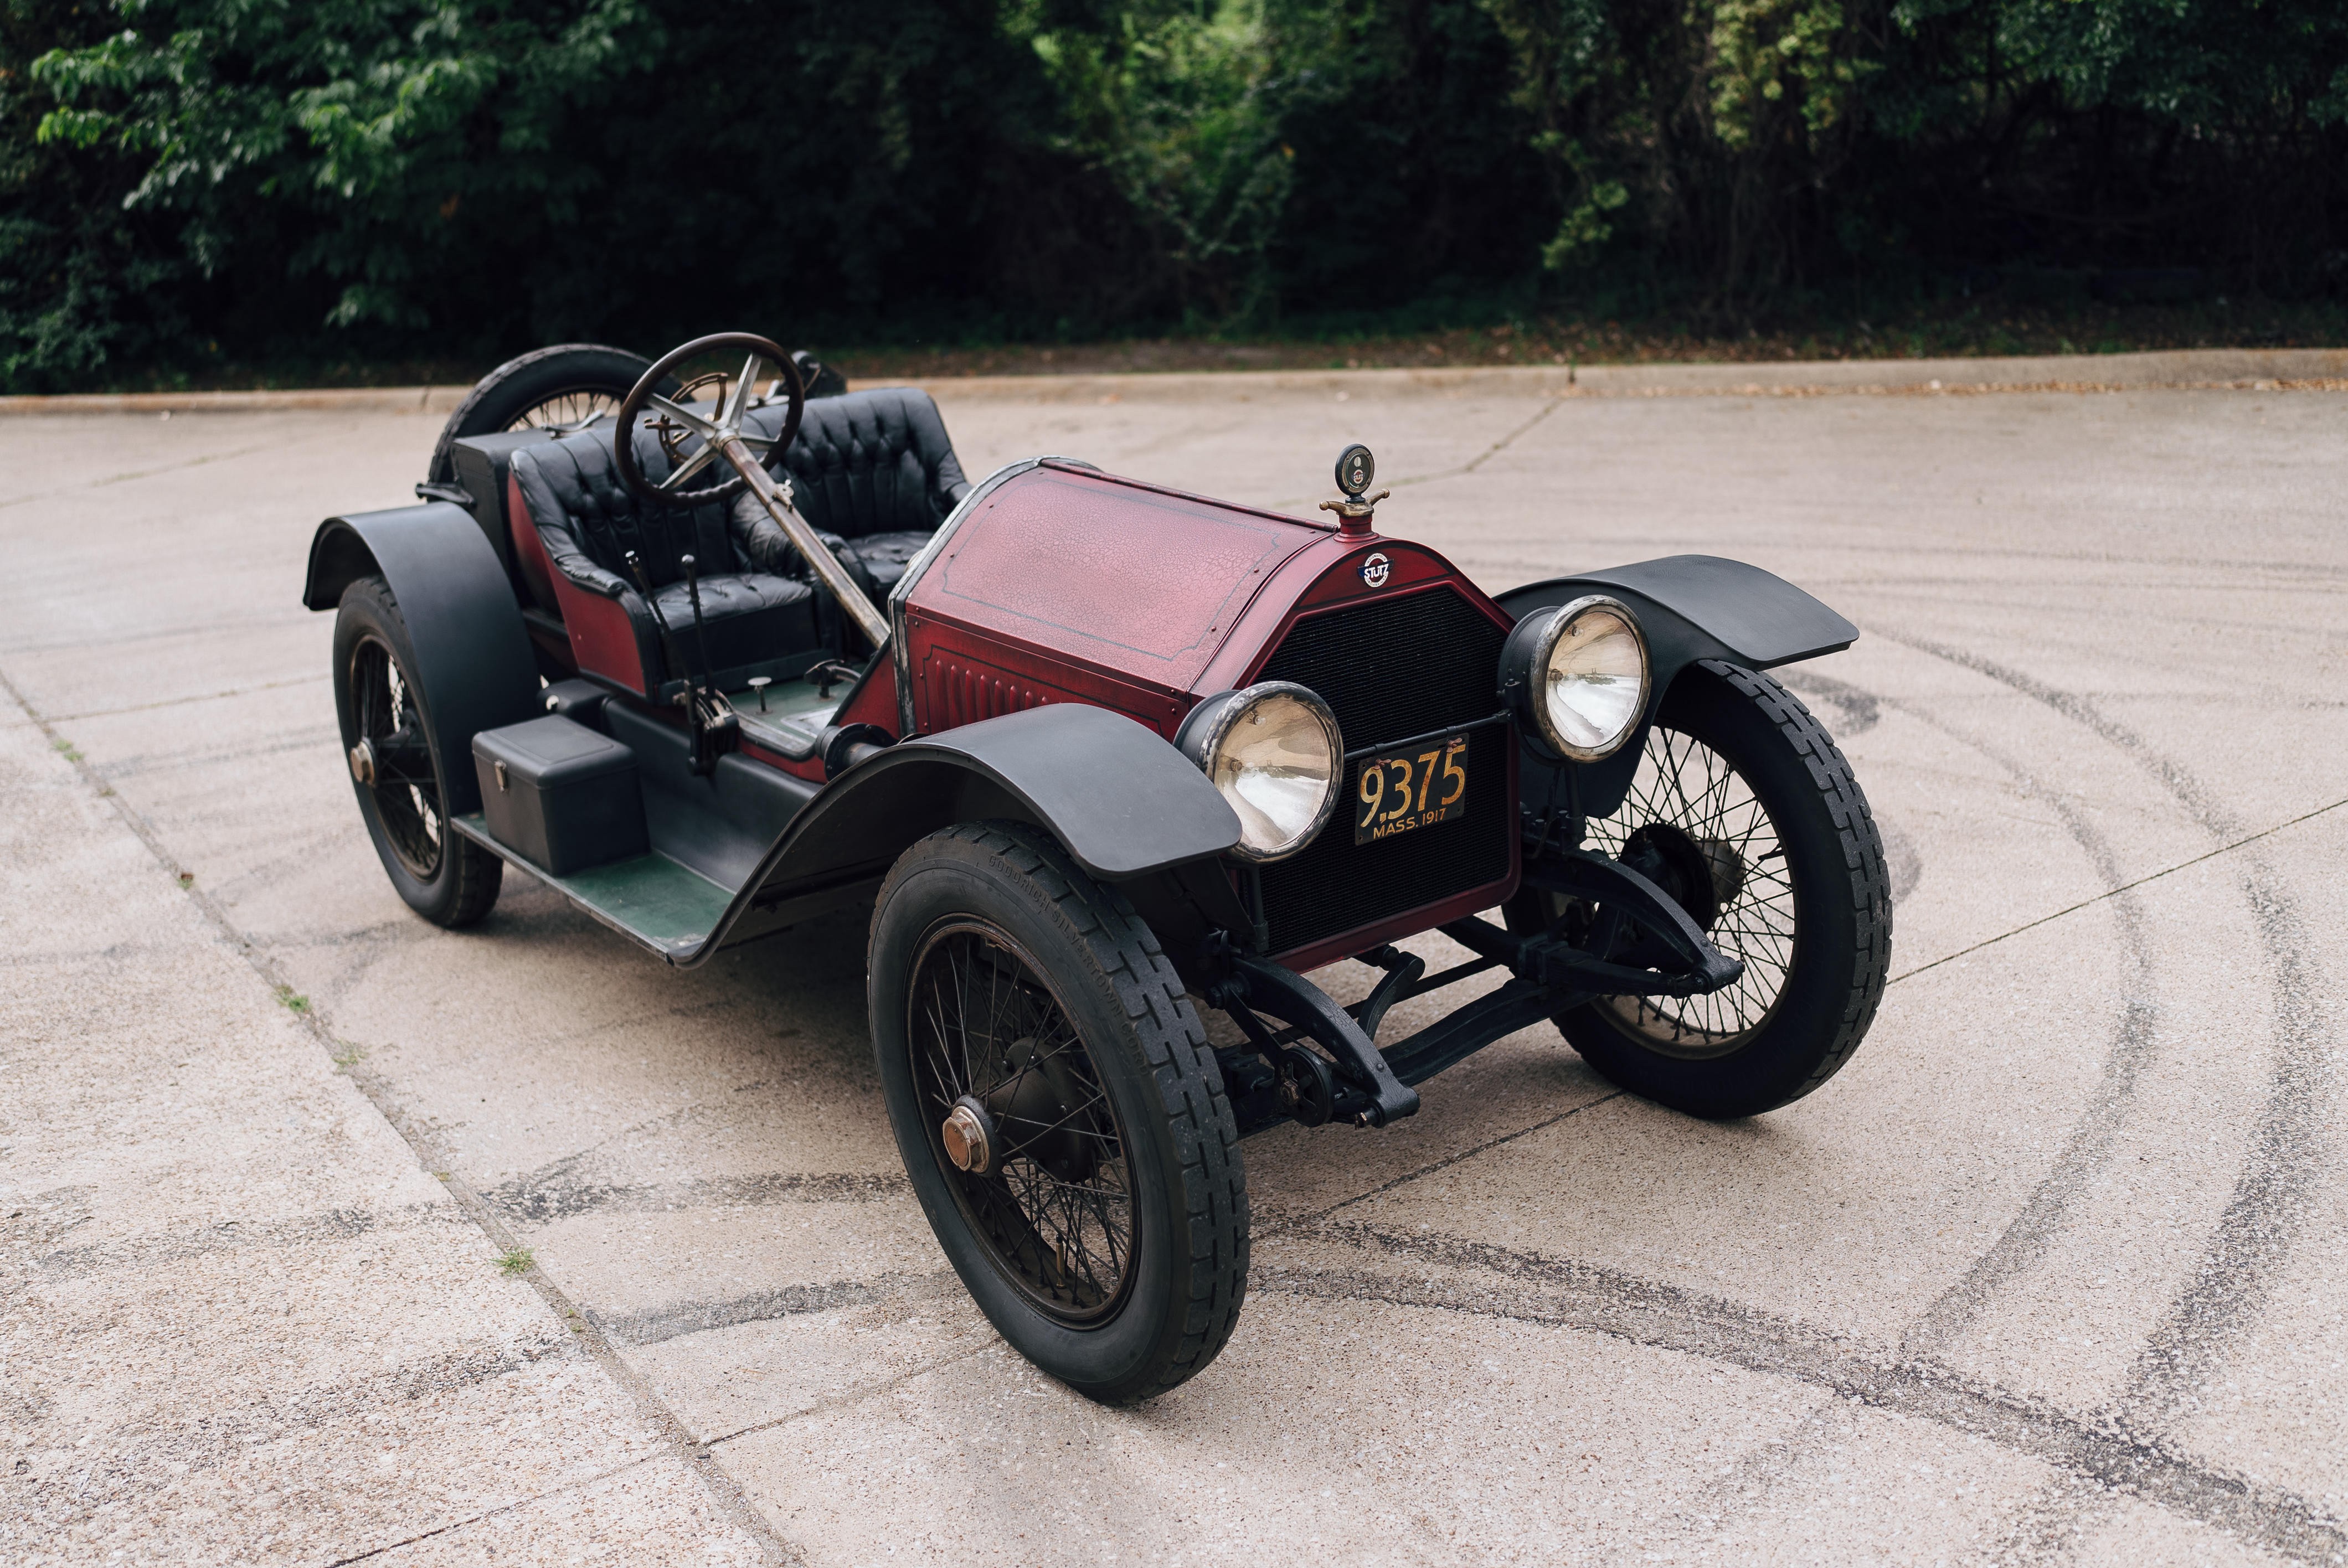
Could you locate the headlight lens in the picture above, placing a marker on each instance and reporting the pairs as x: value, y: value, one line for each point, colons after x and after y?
x: 1274, y: 753
x: 1585, y: 677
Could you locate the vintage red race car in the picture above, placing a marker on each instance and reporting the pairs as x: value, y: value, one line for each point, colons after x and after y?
x: 1099, y: 757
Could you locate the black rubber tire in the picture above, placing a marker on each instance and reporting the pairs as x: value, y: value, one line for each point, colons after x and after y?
x: 517, y: 386
x: 464, y: 887
x: 1151, y: 1055
x: 1842, y: 904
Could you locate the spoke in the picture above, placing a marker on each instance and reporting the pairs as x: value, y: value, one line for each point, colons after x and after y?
x: 683, y: 415
x: 735, y: 405
x: 687, y: 469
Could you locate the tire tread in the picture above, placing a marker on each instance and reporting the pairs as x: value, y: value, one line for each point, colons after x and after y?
x: 1863, y: 846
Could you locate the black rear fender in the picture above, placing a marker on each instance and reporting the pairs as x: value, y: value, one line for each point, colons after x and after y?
x: 474, y: 665
x: 1691, y: 608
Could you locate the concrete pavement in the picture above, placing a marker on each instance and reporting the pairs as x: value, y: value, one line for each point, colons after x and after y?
x: 2053, y: 1272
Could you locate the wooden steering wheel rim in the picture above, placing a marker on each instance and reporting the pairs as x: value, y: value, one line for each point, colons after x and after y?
x: 623, y: 441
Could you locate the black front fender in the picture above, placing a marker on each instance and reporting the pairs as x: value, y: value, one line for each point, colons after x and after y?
x: 473, y: 657
x: 1126, y: 806
x: 1691, y: 608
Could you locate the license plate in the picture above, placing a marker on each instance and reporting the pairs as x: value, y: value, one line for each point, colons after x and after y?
x: 1417, y: 788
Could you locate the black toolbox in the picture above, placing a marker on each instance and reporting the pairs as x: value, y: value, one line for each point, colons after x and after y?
x: 559, y: 794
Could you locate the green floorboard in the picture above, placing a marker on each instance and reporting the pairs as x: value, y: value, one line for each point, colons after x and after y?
x: 660, y: 902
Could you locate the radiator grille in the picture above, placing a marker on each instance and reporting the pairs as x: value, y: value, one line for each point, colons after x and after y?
x: 1390, y: 669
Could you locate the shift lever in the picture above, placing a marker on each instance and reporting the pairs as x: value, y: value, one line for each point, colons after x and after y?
x: 700, y: 630
x: 644, y: 586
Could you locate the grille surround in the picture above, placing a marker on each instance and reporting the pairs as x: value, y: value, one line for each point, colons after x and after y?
x: 1392, y: 669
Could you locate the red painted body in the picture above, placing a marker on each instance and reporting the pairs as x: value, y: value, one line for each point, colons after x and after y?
x: 1069, y: 585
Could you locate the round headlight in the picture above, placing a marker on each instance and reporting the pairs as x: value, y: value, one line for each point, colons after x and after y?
x: 1274, y: 753
x: 1579, y: 674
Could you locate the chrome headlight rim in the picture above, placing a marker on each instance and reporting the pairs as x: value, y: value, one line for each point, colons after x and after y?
x: 1202, y: 739
x: 1530, y: 678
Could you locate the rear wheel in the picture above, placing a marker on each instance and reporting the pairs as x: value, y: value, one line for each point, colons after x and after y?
x: 558, y: 388
x: 1744, y: 810
x: 1059, y: 1111
x: 396, y: 764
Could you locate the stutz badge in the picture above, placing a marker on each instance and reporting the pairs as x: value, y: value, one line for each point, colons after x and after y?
x: 1375, y: 569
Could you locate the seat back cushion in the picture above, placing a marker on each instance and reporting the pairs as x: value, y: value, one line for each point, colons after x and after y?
x: 874, y: 462
x: 576, y: 501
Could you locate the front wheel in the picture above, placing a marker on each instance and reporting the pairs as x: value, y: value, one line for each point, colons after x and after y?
x: 1059, y: 1111
x: 1744, y: 810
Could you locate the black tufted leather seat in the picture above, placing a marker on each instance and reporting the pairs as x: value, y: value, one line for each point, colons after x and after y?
x: 874, y: 473
x: 756, y: 621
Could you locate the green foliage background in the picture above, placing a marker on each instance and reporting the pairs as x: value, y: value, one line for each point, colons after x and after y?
x: 186, y: 182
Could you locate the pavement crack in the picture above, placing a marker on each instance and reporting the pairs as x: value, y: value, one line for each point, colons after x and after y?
x: 1469, y: 466
x: 185, y: 701
x: 837, y: 1401
x: 135, y: 474
x: 2114, y: 892
x: 579, y: 1485
x: 1284, y: 1227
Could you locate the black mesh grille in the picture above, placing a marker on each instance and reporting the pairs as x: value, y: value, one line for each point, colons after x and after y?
x: 1396, y: 667
x: 1391, y: 669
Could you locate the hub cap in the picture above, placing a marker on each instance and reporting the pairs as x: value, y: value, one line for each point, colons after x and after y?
x: 969, y: 1137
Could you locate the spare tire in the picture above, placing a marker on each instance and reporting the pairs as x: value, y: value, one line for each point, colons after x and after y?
x: 554, y: 387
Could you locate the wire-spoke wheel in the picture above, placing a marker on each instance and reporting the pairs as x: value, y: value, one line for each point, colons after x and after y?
x: 1693, y: 824
x: 1744, y: 811
x: 1044, y: 1185
x: 1059, y: 1111
x: 396, y: 768
x: 390, y: 724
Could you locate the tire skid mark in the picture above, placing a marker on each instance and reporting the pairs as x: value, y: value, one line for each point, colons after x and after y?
x: 135, y: 1462
x: 658, y: 1325
x: 2291, y: 1144
x: 2272, y: 1199
x: 2050, y: 1526
x: 233, y: 1236
x: 1569, y: 1294
x: 2045, y: 1214
x: 2087, y: 1149
x: 546, y: 1201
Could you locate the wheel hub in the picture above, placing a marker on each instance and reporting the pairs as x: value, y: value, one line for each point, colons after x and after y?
x: 1032, y: 1110
x: 969, y: 1136
x: 1703, y: 877
x: 362, y: 762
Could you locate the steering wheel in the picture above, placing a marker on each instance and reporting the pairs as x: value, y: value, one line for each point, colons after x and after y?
x: 675, y: 424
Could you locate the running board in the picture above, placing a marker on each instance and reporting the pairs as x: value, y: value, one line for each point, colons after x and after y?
x: 651, y: 899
